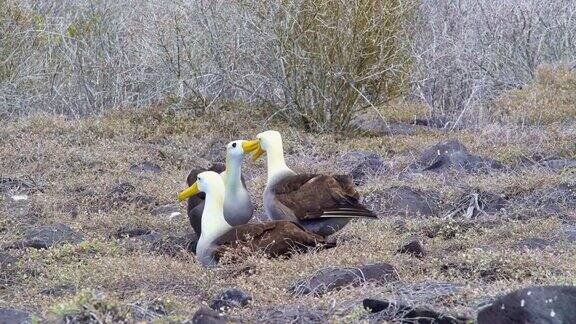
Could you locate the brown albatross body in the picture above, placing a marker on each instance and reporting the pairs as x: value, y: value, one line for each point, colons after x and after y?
x: 323, y: 204
x: 273, y: 238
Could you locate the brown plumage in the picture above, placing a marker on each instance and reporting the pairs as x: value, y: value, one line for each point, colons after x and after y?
x: 309, y: 196
x: 274, y: 238
x: 196, y: 202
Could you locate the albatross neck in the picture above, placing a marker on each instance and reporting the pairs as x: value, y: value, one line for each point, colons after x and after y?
x: 277, y: 167
x: 213, y: 222
x: 233, y: 178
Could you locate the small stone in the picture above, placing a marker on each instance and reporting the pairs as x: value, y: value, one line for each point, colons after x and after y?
x: 414, y: 247
x: 206, y: 315
x: 19, y: 197
x: 230, y: 298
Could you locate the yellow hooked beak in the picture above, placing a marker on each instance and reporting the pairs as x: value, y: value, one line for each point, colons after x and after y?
x: 191, y: 191
x: 253, y: 146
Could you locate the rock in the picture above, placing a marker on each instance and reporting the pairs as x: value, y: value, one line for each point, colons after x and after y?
x: 414, y: 247
x: 570, y: 233
x: 216, y: 152
x: 402, y: 201
x: 168, y: 210
x: 148, y: 312
x: 230, y: 298
x: 409, y: 314
x: 452, y: 154
x: 124, y: 232
x: 436, y: 122
x: 559, y: 200
x: 146, y: 167
x: 172, y: 244
x: 46, y: 236
x: 378, y: 127
x: 125, y: 193
x: 535, y: 243
x: 17, y: 185
x: 6, y: 261
x: 329, y: 279
x: 475, y: 204
x: 206, y: 315
x: 369, y: 165
x: 539, y: 304
x: 13, y: 316
x: 558, y: 164
x: 293, y: 314
x: 58, y: 291
x: 430, y: 290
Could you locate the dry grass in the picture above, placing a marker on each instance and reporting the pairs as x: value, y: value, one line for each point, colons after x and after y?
x: 76, y: 163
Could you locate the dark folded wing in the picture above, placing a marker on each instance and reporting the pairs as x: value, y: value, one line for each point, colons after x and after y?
x: 317, y: 196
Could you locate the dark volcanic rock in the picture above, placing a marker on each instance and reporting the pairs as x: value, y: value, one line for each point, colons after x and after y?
x: 558, y: 164
x: 402, y: 201
x: 559, y: 200
x: 168, y: 210
x: 414, y: 247
x: 369, y: 165
x: 475, y: 204
x: 144, y: 311
x: 6, y: 260
x: 409, y: 314
x: 533, y: 243
x: 146, y: 167
x: 43, y: 237
x: 206, y: 315
x: 13, y: 316
x: 124, y: 193
x: 452, y: 154
x: 330, y: 279
x: 430, y: 290
x: 125, y: 232
x: 18, y: 185
x: 293, y: 314
x: 58, y: 291
x: 437, y: 122
x: 171, y: 245
x: 230, y: 298
x: 570, y: 233
x: 377, y: 126
x: 541, y: 304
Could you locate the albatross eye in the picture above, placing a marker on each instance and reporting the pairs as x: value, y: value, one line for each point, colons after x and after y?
x: 234, y: 144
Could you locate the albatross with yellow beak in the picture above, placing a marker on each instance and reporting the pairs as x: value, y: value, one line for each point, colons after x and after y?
x: 273, y: 238
x: 322, y: 204
x: 238, y: 208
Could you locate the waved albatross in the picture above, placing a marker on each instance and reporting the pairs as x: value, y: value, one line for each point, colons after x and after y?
x: 238, y: 208
x: 322, y: 204
x: 273, y: 238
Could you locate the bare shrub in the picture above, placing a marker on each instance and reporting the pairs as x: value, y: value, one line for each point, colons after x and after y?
x: 338, y: 58
x: 466, y: 52
x: 550, y: 98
